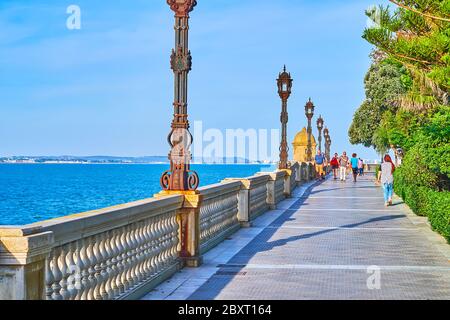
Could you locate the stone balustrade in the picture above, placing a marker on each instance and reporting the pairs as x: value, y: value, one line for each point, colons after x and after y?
x: 122, y: 252
x: 218, y: 213
x: 275, y: 187
x: 113, y: 253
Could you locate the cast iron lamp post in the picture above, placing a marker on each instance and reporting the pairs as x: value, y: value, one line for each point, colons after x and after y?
x: 320, y: 127
x: 284, y: 83
x: 309, y: 112
x: 326, y: 135
x: 329, y: 147
x: 180, y: 177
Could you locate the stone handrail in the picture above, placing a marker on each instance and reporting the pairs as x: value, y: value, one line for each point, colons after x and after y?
x: 122, y: 252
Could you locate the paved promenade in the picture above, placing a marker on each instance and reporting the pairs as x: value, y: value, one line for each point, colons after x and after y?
x: 327, y: 242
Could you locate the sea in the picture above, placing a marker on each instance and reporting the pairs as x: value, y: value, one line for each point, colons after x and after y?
x: 34, y: 192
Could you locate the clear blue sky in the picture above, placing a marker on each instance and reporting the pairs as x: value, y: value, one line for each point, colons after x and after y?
x: 107, y: 89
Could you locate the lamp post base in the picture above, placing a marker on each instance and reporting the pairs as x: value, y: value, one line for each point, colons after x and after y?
x: 188, y: 218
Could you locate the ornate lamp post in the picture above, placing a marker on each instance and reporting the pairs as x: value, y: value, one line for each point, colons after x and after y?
x: 329, y: 148
x: 284, y: 83
x: 320, y: 127
x: 309, y: 112
x: 180, y: 177
x: 326, y: 135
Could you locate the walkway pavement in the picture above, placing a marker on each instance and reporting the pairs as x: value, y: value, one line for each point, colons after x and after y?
x: 333, y: 240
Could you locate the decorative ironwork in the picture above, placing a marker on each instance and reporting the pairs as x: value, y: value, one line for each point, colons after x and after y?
x: 180, y: 61
x: 180, y: 177
x: 284, y: 83
x: 182, y: 8
x: 309, y: 112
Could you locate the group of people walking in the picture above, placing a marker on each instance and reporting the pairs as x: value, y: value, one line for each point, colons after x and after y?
x: 340, y: 166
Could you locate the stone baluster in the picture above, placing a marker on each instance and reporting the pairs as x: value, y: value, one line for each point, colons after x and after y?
x: 125, y: 258
x: 175, y: 240
x: 49, y: 279
x: 157, y: 258
x: 129, y: 269
x: 91, y: 269
x: 57, y: 275
x: 120, y: 262
x: 147, y: 249
x: 109, y: 270
x: 166, y: 229
x: 153, y: 247
x: 103, y: 266
x: 135, y: 241
x: 85, y: 285
x: 79, y: 269
x: 96, y: 267
x: 140, y: 252
x: 114, y: 263
x: 72, y: 272
x: 65, y: 274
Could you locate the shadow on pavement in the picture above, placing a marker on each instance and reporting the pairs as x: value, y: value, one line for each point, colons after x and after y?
x: 211, y: 291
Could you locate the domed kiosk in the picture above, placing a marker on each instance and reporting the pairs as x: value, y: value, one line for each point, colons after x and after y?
x: 300, y: 145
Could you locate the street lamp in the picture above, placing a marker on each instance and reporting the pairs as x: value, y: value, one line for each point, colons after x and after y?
x: 180, y: 177
x: 320, y: 127
x: 309, y: 112
x: 326, y: 134
x: 284, y: 83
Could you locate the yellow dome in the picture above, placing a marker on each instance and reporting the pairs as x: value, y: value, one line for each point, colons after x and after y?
x: 301, y: 139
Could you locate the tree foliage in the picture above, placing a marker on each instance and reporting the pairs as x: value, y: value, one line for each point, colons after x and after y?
x: 384, y: 83
x: 417, y: 34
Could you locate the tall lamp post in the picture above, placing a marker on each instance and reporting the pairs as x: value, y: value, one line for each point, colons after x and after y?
x: 180, y: 177
x: 320, y: 128
x: 309, y: 112
x: 284, y: 83
x: 326, y: 135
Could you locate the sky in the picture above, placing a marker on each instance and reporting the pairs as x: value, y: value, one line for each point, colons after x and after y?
x: 106, y: 89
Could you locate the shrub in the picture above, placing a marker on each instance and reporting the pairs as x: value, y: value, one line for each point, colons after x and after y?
x: 438, y: 212
x: 425, y: 201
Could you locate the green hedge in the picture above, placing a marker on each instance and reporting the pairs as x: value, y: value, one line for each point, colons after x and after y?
x: 426, y: 202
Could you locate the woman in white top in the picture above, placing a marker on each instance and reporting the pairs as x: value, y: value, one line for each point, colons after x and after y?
x: 386, y: 177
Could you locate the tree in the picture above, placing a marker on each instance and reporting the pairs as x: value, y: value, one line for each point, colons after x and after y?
x: 384, y: 83
x: 417, y: 34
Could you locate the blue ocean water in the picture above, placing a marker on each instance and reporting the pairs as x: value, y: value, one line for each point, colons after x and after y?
x: 30, y: 193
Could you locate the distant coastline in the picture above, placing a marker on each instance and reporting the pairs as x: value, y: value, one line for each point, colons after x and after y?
x: 156, y: 160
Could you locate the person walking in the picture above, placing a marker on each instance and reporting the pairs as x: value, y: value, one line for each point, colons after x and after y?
x: 319, y: 164
x: 343, y: 164
x: 335, y: 165
x: 354, y: 162
x: 360, y: 167
x: 386, y: 178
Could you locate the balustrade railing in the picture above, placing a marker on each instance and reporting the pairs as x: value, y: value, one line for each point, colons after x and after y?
x: 258, y: 195
x: 218, y: 213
